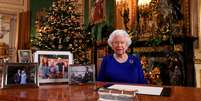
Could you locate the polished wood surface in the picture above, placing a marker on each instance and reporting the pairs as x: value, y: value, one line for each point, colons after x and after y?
x: 87, y: 92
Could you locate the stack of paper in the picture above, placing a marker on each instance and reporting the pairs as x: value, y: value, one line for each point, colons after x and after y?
x: 140, y: 89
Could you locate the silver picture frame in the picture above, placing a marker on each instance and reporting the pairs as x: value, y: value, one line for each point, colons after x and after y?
x: 19, y: 75
x: 79, y: 74
x: 53, y: 66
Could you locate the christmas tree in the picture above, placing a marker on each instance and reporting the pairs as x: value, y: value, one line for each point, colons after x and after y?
x: 60, y: 29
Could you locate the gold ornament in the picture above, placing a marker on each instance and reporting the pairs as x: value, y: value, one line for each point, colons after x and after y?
x: 65, y: 30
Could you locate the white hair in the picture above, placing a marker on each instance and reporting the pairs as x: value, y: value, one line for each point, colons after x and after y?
x: 119, y: 32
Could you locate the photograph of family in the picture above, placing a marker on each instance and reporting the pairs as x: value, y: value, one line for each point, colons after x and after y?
x: 53, y: 68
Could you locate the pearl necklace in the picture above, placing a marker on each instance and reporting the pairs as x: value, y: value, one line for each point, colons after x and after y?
x: 121, y: 59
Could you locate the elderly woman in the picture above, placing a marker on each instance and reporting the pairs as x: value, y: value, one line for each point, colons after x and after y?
x: 120, y: 67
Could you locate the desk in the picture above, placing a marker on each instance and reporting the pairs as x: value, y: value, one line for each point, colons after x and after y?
x: 87, y: 93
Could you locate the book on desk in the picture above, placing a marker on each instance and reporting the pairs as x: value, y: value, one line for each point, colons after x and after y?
x: 117, y: 91
x: 116, y: 95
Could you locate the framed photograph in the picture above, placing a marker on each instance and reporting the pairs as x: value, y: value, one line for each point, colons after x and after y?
x: 19, y: 75
x: 81, y: 74
x: 24, y: 56
x: 53, y: 66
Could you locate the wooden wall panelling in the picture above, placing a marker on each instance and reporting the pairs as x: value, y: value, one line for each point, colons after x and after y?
x: 186, y: 12
x: 81, y: 10
x: 10, y: 38
x: 199, y: 24
x: 24, y: 34
x: 196, y: 31
x: 13, y: 8
x: 14, y: 5
x: 14, y: 2
x: 194, y: 17
x: 198, y: 74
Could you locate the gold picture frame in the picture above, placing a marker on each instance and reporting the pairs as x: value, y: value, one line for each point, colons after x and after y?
x: 24, y: 56
x: 97, y: 11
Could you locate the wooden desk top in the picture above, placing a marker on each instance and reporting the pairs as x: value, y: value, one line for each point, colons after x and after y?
x: 87, y: 93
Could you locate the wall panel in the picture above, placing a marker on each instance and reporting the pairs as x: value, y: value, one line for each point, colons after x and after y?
x: 13, y: 9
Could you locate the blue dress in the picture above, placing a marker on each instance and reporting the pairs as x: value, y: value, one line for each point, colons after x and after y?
x: 127, y: 72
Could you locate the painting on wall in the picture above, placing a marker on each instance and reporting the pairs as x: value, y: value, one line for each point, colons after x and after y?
x: 96, y: 11
x: 126, y: 14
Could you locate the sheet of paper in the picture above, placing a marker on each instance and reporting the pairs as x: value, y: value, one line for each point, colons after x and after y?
x: 141, y: 89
